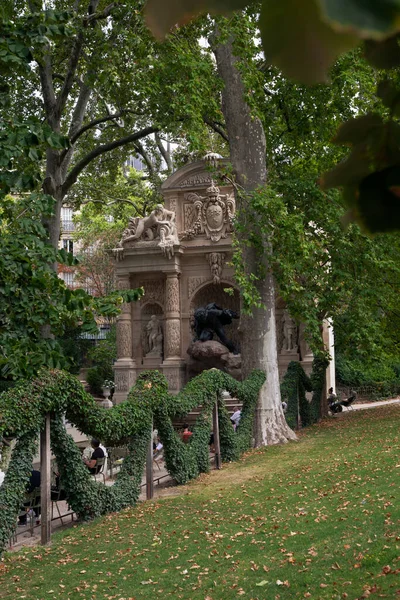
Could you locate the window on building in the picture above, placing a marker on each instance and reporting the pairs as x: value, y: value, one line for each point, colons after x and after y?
x: 66, y: 219
x: 68, y: 278
x: 68, y: 245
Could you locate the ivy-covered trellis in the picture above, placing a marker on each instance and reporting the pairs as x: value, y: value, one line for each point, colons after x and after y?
x: 294, y: 386
x: 24, y: 407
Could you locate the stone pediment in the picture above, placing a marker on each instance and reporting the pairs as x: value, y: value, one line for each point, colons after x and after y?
x: 194, y: 175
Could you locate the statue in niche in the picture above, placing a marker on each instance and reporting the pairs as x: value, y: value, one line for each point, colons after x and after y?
x: 154, y: 336
x: 289, y: 333
x: 159, y: 224
x: 212, y: 214
x: 216, y: 262
x: 211, y: 319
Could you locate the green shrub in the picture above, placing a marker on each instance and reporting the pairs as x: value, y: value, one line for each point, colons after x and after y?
x: 6, y: 384
x: 317, y: 377
x: 293, y: 389
x: 353, y: 372
x: 103, y: 356
x: 95, y: 377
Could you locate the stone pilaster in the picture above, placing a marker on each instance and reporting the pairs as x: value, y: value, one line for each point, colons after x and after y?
x: 125, y: 366
x: 173, y: 364
x: 172, y: 342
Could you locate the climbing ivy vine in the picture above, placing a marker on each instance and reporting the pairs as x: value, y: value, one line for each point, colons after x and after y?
x: 24, y: 407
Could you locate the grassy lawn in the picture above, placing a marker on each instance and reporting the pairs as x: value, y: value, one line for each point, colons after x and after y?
x: 315, y: 519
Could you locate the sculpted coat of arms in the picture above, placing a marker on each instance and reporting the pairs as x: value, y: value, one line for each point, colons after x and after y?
x: 211, y: 215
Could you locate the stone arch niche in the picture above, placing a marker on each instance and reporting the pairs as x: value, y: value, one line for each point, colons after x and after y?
x: 151, y: 358
x: 181, y: 254
x: 211, y: 292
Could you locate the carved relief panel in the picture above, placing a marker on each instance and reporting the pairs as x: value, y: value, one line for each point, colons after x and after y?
x: 172, y: 338
x: 194, y: 283
x: 211, y: 215
x: 124, y: 339
x: 154, y: 290
x: 172, y: 300
x: 122, y: 381
x: 216, y: 261
x: 173, y: 378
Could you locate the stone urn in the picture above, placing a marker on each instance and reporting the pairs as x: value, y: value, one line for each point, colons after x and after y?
x: 106, y: 403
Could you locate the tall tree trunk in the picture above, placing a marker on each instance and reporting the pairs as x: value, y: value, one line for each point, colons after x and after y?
x: 258, y: 332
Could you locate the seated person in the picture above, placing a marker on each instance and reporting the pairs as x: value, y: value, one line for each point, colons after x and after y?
x: 97, y: 453
x: 33, y: 484
x: 211, y: 442
x: 157, y: 454
x: 235, y: 418
x: 186, y: 435
x: 331, y: 397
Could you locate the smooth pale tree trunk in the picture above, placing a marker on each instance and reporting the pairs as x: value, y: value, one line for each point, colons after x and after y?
x: 258, y: 332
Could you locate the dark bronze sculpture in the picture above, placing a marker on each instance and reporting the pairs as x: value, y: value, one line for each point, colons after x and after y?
x: 211, y: 319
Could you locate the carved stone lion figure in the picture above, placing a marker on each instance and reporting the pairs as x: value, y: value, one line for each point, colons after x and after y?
x: 211, y: 319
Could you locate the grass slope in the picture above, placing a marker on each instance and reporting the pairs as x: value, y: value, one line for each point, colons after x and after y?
x: 317, y: 519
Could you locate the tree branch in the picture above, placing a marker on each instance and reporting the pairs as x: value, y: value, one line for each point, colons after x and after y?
x: 101, y: 15
x: 164, y: 153
x: 74, y: 60
x: 88, y: 126
x: 216, y: 128
x: 76, y: 122
x: 117, y: 201
x: 69, y: 78
x: 73, y: 175
x: 141, y: 150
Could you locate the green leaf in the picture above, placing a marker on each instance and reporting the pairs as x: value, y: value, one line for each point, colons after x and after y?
x: 349, y: 171
x: 390, y: 95
x: 370, y: 18
x: 357, y: 130
x: 162, y: 16
x: 298, y: 41
x: 383, y: 55
x: 378, y: 202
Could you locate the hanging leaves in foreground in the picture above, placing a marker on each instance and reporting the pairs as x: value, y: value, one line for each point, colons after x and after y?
x: 301, y: 37
x: 370, y: 175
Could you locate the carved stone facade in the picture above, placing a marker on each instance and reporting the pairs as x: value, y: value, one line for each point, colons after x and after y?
x: 154, y: 290
x: 173, y: 338
x: 122, y: 381
x: 211, y: 215
x: 172, y: 300
x: 124, y: 337
x: 181, y: 255
x: 216, y: 261
x: 158, y: 226
x: 194, y: 283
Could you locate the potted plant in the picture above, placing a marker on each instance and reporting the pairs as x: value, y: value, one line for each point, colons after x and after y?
x: 107, y: 386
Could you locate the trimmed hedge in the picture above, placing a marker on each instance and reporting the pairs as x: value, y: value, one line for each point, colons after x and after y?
x: 23, y: 410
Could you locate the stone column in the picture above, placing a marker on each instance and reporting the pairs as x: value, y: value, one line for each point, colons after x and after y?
x: 125, y: 366
x: 172, y: 365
